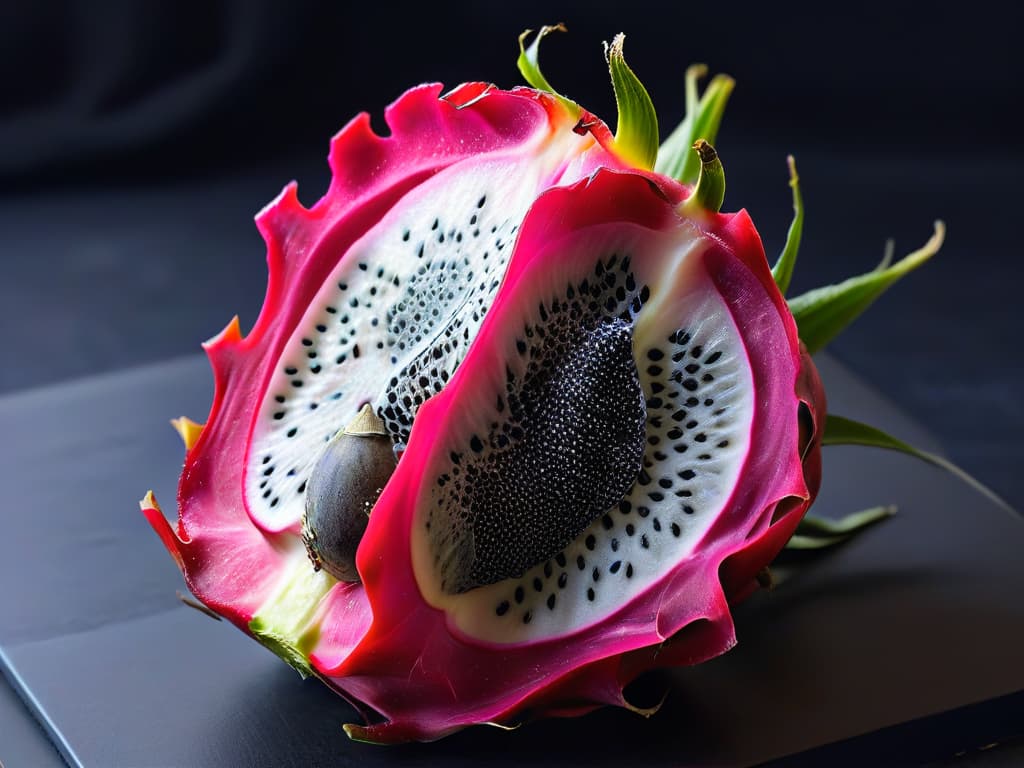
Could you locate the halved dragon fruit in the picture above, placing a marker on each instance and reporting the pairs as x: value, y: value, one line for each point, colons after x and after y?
x: 567, y: 391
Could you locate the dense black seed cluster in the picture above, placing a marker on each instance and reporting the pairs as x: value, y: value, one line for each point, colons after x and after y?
x: 566, y: 442
x: 684, y: 428
x: 444, y: 290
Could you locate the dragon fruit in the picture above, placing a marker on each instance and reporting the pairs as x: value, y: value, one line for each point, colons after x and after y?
x: 519, y: 420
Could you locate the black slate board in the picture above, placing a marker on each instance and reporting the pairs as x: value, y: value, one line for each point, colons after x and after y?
x: 920, y: 616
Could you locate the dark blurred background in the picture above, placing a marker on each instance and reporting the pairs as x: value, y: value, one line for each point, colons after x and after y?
x: 138, y: 139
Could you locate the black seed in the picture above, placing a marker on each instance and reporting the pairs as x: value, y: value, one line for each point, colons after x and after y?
x: 723, y: 444
x: 657, y: 524
x: 315, y: 368
x: 520, y: 594
x: 279, y: 415
x: 701, y: 437
x: 590, y: 542
x: 697, y: 351
x: 292, y: 432
x: 687, y: 474
x: 707, y: 377
x: 580, y: 562
x: 688, y: 509
x: 676, y: 530
x: 629, y: 570
x: 480, y: 203
x: 560, y: 559
x: 521, y: 346
x: 502, y: 608
x: 709, y: 402
x: 296, y: 382
x: 279, y: 398
x: 307, y: 342
x: 625, y: 507
x: 713, y: 357
x: 268, y: 471
x: 527, y: 617
x: 643, y: 511
x: 547, y: 570
x: 291, y: 371
x: 274, y: 501
x: 665, y: 483
x: 630, y: 529
x: 266, y: 459
x: 607, y: 522
x: 704, y: 457
x: 615, y: 545
x: 355, y: 350
x: 678, y: 415
x: 475, y: 444
x: 551, y: 601
x: 590, y: 594
x: 614, y: 567
x: 655, y: 354
x: 656, y: 495
x: 563, y: 579
x: 654, y: 370
x: 330, y: 310
x: 645, y: 542
x: 538, y: 585
x: 343, y: 286
x: 692, y: 402
x: 692, y: 368
x: 690, y: 385
x: 691, y: 424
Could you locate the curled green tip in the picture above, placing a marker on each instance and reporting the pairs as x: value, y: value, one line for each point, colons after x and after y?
x: 709, y: 194
x: 782, y: 272
x: 703, y: 117
x: 636, y: 134
x: 821, y: 314
x: 529, y: 63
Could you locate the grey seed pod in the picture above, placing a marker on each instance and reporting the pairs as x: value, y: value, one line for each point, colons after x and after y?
x: 342, y: 489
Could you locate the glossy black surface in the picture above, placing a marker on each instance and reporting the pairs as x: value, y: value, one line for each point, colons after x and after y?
x: 919, y: 616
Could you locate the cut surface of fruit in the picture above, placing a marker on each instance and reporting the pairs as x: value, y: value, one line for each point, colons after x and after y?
x: 587, y: 393
x: 616, y: 315
x: 395, y: 312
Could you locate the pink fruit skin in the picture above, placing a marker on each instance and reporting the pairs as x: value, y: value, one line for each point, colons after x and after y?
x: 380, y: 644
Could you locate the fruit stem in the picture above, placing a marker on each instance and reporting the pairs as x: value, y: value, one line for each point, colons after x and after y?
x: 709, y: 193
